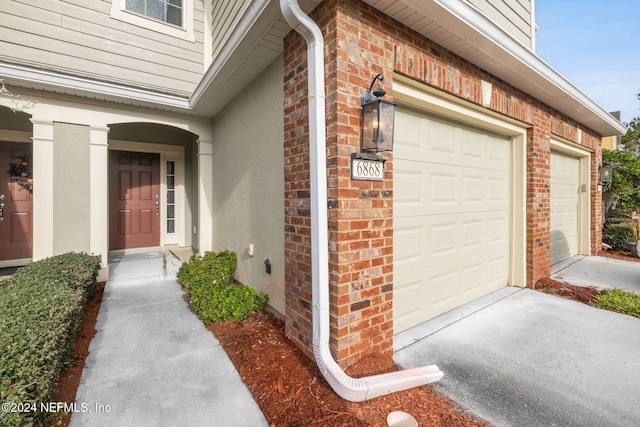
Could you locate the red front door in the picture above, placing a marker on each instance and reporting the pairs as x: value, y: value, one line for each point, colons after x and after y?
x: 134, y: 202
x: 16, y: 219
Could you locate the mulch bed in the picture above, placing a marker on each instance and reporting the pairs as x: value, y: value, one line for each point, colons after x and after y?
x: 623, y: 255
x: 576, y: 293
x: 291, y: 391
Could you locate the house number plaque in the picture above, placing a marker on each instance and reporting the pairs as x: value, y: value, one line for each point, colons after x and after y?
x: 367, y: 167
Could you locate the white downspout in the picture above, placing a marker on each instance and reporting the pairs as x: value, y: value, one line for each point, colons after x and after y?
x: 352, y: 389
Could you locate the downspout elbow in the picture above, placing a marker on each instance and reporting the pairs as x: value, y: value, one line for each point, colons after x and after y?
x: 349, y: 388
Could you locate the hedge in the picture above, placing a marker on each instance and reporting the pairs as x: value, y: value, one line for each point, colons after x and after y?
x: 618, y: 230
x: 41, y: 307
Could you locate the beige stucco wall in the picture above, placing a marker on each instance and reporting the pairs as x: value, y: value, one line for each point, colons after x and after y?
x: 71, y: 194
x: 248, y: 182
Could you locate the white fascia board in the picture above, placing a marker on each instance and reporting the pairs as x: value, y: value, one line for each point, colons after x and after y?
x: 481, y: 32
x: 88, y: 86
x: 251, y: 15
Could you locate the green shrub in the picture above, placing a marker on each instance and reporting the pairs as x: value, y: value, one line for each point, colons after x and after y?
x: 214, y: 295
x: 618, y: 229
x: 218, y: 304
x: 212, y: 268
x: 41, y: 307
x: 618, y: 234
x: 619, y: 300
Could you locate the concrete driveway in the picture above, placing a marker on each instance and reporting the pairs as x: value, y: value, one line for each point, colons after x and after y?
x: 519, y: 357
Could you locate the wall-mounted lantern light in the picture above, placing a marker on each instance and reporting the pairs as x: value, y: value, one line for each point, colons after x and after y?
x: 606, y: 173
x: 377, y: 119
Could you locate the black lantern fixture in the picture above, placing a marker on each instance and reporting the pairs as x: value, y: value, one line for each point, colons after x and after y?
x: 377, y: 119
x: 606, y: 173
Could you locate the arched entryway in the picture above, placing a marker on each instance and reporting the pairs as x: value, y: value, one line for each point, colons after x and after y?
x: 152, y: 187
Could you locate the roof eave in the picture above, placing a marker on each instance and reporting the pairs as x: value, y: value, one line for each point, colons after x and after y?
x: 516, y: 64
x: 78, y: 86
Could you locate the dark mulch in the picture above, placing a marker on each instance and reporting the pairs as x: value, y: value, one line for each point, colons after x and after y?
x: 291, y: 391
x: 577, y: 293
x: 623, y: 255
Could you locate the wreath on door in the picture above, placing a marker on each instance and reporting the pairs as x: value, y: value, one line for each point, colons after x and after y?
x: 21, y: 172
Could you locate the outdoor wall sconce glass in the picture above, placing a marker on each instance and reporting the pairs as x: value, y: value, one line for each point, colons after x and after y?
x: 606, y: 173
x: 377, y: 119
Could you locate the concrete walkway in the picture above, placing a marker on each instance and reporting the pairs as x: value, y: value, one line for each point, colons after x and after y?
x: 522, y: 358
x: 598, y: 271
x: 152, y: 362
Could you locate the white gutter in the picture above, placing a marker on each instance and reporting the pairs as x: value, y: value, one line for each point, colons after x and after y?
x: 352, y: 389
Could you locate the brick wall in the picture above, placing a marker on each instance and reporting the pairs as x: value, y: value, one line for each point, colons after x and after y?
x: 360, y: 43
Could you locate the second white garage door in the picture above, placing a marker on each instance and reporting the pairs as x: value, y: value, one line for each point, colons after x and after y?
x: 565, y: 203
x: 452, y: 215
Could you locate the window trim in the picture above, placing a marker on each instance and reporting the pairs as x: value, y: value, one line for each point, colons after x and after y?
x: 119, y: 12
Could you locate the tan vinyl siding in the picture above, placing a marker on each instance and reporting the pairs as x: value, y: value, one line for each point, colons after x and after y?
x: 79, y: 37
x: 607, y: 142
x: 512, y: 15
x: 225, y: 15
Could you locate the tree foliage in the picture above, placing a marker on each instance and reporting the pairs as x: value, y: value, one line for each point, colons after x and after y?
x: 631, y: 140
x: 623, y: 193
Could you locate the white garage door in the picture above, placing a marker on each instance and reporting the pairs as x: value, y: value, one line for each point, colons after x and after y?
x: 452, y: 226
x: 565, y: 185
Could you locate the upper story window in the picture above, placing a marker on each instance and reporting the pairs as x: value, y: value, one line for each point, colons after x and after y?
x: 169, y: 11
x: 170, y: 17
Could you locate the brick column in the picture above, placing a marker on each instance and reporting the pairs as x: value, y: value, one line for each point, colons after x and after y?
x: 596, y: 197
x: 538, y: 197
x: 360, y: 212
x: 297, y: 230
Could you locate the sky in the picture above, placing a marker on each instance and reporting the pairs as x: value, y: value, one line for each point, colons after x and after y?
x: 595, y: 45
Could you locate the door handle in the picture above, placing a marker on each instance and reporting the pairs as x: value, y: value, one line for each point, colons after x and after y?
x: 2, y: 210
x: 157, y: 208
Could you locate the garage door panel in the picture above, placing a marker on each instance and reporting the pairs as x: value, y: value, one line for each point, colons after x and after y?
x: 408, y: 188
x: 408, y: 252
x: 439, y: 141
x: 441, y: 238
x: 452, y: 216
x: 440, y: 191
x: 472, y: 278
x: 499, y: 230
x: 473, y: 146
x: 472, y: 187
x: 498, y: 188
x: 498, y: 154
x: 425, y: 241
x: 473, y: 234
x: 406, y: 293
x: 442, y: 188
x: 440, y: 287
x: 497, y: 268
x: 406, y: 126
